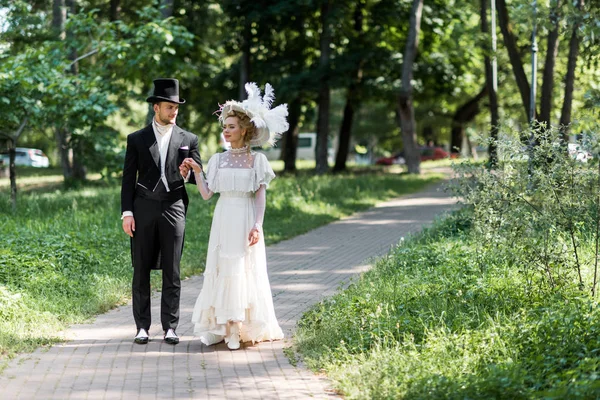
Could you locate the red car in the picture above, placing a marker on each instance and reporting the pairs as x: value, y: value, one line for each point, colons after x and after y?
x: 427, y: 154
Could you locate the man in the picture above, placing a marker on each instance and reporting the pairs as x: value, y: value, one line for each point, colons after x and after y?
x: 154, y: 204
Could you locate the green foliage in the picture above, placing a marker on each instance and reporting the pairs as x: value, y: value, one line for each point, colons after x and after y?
x: 37, y: 80
x: 488, y: 303
x: 426, y: 323
x: 65, y: 258
x: 538, y: 208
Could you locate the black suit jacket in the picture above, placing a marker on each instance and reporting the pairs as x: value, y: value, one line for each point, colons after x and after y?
x: 142, y: 162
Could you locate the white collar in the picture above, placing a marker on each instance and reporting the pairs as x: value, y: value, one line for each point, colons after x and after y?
x: 162, y: 130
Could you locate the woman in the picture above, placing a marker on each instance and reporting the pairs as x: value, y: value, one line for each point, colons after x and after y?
x: 235, y: 303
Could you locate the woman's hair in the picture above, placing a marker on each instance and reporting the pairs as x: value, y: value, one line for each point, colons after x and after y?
x: 245, y: 123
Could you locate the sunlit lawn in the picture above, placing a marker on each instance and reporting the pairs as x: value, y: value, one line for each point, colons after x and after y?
x: 65, y: 258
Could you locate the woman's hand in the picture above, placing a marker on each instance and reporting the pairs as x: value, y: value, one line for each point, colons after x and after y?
x: 254, y: 236
x: 189, y: 163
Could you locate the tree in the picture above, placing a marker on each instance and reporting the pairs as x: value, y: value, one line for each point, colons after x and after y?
x: 115, y: 10
x: 565, y: 115
x: 513, y: 53
x: 12, y: 139
x: 463, y: 115
x: 406, y: 112
x: 324, y: 95
x: 76, y: 92
x: 491, y: 83
x: 549, y: 65
x: 352, y: 96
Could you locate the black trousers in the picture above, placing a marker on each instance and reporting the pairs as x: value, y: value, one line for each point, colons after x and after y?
x: 157, y: 243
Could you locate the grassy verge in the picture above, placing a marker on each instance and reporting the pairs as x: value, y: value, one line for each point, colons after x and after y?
x: 429, y: 323
x: 64, y: 257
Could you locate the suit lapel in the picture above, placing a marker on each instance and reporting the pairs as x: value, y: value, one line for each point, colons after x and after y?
x: 150, y: 140
x: 174, y: 144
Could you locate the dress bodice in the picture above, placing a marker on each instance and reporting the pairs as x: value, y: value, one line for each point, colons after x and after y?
x: 241, y: 172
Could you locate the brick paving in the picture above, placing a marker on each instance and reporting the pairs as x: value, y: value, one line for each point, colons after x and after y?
x: 100, y: 361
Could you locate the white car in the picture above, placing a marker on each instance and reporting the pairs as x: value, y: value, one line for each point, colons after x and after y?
x: 307, y: 142
x: 27, y: 157
x: 579, y: 153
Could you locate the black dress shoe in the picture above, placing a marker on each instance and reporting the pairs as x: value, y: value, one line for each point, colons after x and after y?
x: 142, y: 337
x: 171, y: 337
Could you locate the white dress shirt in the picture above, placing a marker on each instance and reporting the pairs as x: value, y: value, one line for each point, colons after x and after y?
x: 162, y: 133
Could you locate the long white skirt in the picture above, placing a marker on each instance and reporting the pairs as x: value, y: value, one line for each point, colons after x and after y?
x: 236, y: 285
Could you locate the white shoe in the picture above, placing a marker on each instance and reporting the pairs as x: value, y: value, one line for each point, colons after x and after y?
x: 234, y: 341
x: 142, y: 337
x: 210, y: 338
x: 171, y: 337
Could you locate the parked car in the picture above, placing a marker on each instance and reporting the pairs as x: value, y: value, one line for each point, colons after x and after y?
x: 427, y: 153
x: 307, y: 143
x: 27, y: 157
x: 579, y: 153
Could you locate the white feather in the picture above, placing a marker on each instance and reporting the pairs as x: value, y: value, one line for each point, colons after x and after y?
x: 259, y: 122
x: 254, y: 100
x: 269, y: 96
x: 271, y: 123
x: 276, y: 119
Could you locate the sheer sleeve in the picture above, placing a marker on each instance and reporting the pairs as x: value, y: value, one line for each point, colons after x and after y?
x: 260, y: 204
x: 203, y: 186
x: 206, y: 186
x: 263, y: 173
x: 211, y: 173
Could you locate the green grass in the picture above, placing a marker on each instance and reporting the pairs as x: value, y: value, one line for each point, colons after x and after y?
x: 428, y: 323
x: 64, y: 257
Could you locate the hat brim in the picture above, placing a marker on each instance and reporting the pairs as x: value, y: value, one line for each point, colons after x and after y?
x: 158, y: 99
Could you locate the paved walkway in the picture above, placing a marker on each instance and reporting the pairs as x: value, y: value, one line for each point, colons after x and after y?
x: 101, y: 362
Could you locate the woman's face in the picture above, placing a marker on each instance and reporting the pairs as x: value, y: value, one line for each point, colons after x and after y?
x: 233, y: 133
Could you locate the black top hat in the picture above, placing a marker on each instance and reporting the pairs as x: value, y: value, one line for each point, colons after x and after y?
x: 166, y: 90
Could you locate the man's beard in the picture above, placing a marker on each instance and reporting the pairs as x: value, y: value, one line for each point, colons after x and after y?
x: 165, y: 121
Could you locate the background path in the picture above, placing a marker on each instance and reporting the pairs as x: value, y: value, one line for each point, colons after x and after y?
x: 100, y: 360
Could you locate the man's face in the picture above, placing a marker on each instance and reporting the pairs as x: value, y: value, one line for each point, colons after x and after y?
x: 166, y: 113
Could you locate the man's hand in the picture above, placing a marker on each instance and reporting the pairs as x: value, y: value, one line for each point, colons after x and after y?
x: 129, y: 225
x: 184, y: 170
x: 188, y: 164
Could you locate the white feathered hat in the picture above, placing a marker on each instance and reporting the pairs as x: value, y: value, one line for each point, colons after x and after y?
x: 269, y: 123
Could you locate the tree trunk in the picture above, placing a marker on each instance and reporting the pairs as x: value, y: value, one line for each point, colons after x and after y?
x: 78, y: 170
x: 345, y: 133
x: 406, y: 111
x: 291, y: 137
x: 513, y: 54
x: 115, y: 10
x: 166, y: 8
x: 13, y: 176
x: 464, y: 114
x: 59, y: 16
x: 352, y: 98
x: 490, y: 82
x: 429, y: 135
x: 565, y: 116
x: 548, y: 77
x: 12, y: 144
x: 324, y: 95
x: 62, y: 138
x: 245, y: 60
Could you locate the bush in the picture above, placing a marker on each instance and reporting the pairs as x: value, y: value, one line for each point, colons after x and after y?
x: 537, y: 210
x: 496, y: 301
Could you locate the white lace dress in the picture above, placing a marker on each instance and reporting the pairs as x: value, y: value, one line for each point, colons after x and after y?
x: 236, y: 285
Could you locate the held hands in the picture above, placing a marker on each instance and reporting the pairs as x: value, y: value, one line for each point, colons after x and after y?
x: 187, y: 165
